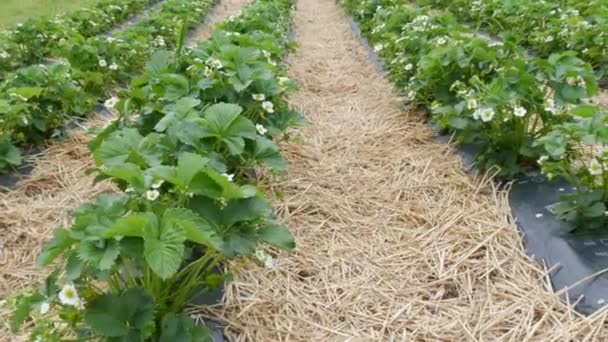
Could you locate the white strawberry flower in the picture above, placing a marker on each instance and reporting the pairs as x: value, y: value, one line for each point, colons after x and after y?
x: 113, y: 66
x: 472, y: 104
x: 268, y: 106
x: 261, y: 129
x: 214, y: 63
x: 157, y: 184
x: 230, y: 176
x: 595, y: 168
x: 258, y: 97
x: 152, y: 195
x: 519, y: 111
x: 69, y: 296
x: 4, y: 55
x: 484, y: 114
x: 409, y: 67
x: 103, y: 63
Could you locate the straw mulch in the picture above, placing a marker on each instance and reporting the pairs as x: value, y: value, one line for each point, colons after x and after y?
x: 222, y: 11
x: 40, y: 203
x: 396, y: 242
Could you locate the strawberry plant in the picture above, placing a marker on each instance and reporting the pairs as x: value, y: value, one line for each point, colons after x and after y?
x: 578, y: 152
x: 545, y: 27
x: 180, y: 150
x: 488, y: 93
x: 30, y: 42
x: 93, y: 66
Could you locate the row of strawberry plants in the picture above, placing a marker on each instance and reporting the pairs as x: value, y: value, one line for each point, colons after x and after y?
x: 192, y: 130
x: 37, y: 101
x: 520, y: 111
x: 30, y: 42
x: 545, y: 27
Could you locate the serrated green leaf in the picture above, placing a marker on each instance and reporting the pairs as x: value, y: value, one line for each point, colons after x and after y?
x: 267, y: 152
x: 132, y: 225
x: 277, y: 235
x: 164, y: 249
x: 196, y: 228
x: 101, y: 254
x: 116, y: 316
x: 181, y: 328
x: 60, y: 242
x: 224, y: 123
x: 188, y: 165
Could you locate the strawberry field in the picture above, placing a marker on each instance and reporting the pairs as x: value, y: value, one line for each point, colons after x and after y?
x: 309, y: 170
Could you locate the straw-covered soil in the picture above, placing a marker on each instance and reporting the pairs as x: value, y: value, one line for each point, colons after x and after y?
x: 222, y: 11
x: 396, y: 242
x: 40, y: 203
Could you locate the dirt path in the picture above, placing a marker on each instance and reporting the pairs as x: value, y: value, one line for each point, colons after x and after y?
x: 395, y: 241
x: 224, y: 10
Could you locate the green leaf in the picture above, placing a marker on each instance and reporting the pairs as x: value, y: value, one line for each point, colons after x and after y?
x: 10, y: 154
x: 132, y: 225
x: 176, y: 86
x: 196, y: 228
x: 267, y: 152
x: 188, y: 165
x: 181, y: 328
x: 60, y: 242
x: 160, y: 62
x: 100, y: 253
x: 164, y: 248
x: 278, y: 236
x: 248, y: 209
x: 22, y: 310
x: 28, y: 92
x: 129, y: 173
x: 586, y: 111
x: 129, y: 314
x: 127, y: 145
x: 224, y: 123
x: 116, y: 149
x: 73, y: 267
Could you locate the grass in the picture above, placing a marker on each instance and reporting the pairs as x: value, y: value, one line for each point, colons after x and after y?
x: 16, y: 11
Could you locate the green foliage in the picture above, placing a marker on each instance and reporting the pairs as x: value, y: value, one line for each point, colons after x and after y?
x: 187, y: 138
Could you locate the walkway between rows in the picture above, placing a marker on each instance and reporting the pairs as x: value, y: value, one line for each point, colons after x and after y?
x: 395, y: 241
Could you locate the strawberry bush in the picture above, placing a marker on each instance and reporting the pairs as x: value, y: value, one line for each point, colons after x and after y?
x: 191, y: 130
x: 545, y: 27
x: 29, y: 42
x: 520, y: 111
x: 32, y: 107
